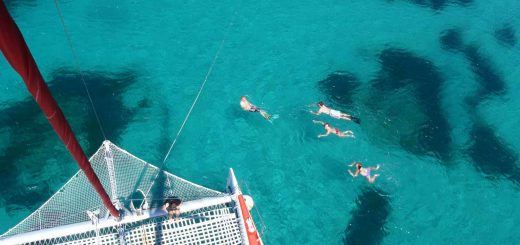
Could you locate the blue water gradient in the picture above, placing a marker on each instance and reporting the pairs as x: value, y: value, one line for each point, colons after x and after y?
x: 433, y: 81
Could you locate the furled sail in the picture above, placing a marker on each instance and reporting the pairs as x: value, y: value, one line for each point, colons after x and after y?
x: 17, y: 53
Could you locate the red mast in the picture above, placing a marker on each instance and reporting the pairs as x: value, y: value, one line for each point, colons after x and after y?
x: 17, y: 53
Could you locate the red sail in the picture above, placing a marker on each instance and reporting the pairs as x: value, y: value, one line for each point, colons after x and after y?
x: 15, y: 50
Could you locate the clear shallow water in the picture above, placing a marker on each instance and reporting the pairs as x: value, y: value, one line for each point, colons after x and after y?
x: 434, y: 85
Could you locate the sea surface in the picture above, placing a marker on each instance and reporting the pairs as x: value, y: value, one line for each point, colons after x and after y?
x: 433, y: 81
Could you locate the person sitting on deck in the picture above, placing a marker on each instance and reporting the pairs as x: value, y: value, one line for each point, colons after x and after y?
x: 247, y: 106
x: 364, y: 171
x: 335, y: 113
x: 333, y: 130
x: 172, y: 206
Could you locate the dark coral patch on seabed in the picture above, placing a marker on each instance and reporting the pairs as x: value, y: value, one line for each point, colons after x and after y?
x: 506, y: 35
x: 451, y: 40
x: 367, y: 225
x: 26, y: 153
x: 490, y: 155
x: 402, y: 69
x: 490, y: 80
x: 438, y: 5
x: 340, y: 87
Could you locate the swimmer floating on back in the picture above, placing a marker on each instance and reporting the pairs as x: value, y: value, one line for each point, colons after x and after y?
x: 334, y: 113
x: 364, y: 171
x: 333, y: 130
x: 247, y: 106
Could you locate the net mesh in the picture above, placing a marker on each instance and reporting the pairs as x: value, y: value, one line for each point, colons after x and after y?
x: 211, y: 225
x: 70, y: 204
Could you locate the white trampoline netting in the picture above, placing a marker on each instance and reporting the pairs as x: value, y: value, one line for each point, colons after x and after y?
x: 127, y: 179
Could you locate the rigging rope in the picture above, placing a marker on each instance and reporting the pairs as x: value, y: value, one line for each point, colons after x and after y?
x: 198, y: 94
x: 208, y: 73
x: 76, y: 61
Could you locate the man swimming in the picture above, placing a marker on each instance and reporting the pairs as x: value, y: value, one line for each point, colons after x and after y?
x: 364, y: 171
x: 333, y: 130
x: 335, y: 113
x: 247, y: 106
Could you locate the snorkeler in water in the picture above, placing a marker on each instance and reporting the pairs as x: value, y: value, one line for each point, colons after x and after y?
x: 364, y: 171
x: 335, y: 113
x: 333, y: 130
x: 247, y: 106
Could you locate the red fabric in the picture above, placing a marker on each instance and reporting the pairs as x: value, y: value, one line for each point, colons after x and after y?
x: 252, y: 234
x: 17, y: 53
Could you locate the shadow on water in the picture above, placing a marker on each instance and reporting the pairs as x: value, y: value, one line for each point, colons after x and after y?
x: 491, y: 155
x: 33, y: 146
x: 367, y: 225
x: 506, y: 35
x: 158, y: 195
x: 340, y: 87
x: 407, y: 92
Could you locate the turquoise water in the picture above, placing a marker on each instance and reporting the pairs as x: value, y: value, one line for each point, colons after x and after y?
x: 432, y: 81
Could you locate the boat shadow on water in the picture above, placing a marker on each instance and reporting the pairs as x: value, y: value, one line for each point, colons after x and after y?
x: 25, y: 155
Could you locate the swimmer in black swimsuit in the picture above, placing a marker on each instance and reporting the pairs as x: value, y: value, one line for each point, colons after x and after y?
x: 246, y: 105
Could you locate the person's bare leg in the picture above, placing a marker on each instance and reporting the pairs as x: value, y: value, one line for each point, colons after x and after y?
x: 371, y: 179
x: 345, y: 116
x: 348, y: 133
x: 265, y: 114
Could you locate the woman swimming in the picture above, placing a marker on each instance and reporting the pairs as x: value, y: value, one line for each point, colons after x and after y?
x: 333, y: 130
x: 247, y: 106
x: 335, y: 113
x: 364, y: 171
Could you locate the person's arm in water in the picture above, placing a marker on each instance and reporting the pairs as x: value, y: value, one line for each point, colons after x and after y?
x: 317, y: 112
x: 318, y: 122
x: 324, y: 135
x: 353, y: 174
x: 375, y: 168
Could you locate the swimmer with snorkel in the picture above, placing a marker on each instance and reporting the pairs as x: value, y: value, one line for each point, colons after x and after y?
x: 322, y: 108
x: 247, y: 106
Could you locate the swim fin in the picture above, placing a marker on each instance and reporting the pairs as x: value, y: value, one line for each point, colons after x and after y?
x: 355, y: 119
